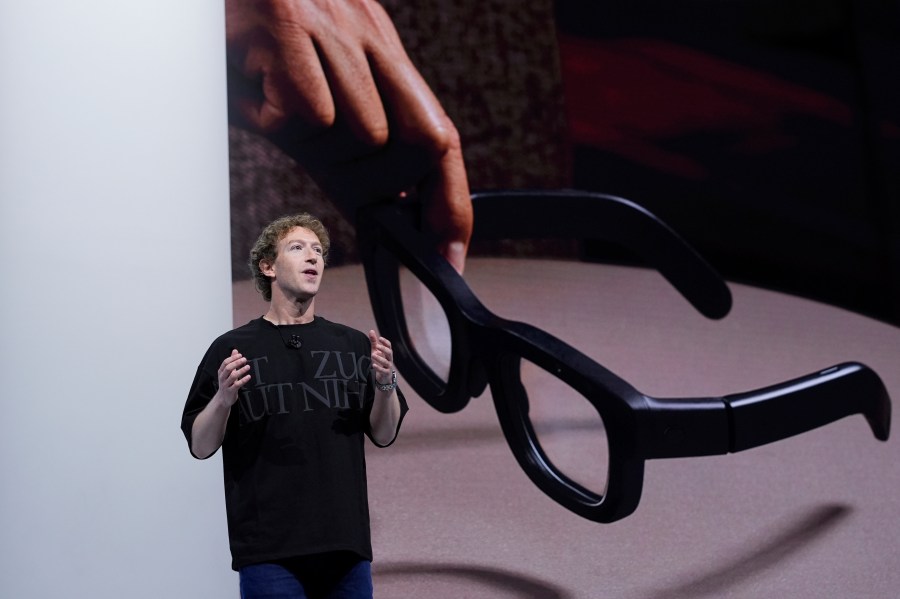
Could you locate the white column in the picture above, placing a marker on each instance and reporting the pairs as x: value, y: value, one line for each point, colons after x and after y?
x: 114, y: 263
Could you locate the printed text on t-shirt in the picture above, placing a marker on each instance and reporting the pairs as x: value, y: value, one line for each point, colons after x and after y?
x: 338, y: 382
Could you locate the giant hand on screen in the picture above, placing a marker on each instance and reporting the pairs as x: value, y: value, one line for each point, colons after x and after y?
x: 331, y: 84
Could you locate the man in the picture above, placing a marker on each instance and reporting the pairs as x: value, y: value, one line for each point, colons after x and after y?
x: 289, y: 397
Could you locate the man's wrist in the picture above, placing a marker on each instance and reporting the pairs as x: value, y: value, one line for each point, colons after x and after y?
x: 222, y: 403
x: 388, y: 386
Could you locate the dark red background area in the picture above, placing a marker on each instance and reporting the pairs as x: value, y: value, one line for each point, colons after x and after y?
x: 766, y: 133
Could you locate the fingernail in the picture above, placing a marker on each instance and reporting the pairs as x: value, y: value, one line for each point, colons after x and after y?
x: 455, y: 253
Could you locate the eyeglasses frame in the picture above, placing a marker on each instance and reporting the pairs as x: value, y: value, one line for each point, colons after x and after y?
x: 487, y: 349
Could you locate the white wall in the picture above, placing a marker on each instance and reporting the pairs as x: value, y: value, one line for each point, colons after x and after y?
x: 114, y: 262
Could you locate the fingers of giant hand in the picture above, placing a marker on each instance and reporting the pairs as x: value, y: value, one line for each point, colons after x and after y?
x: 275, y: 78
x: 448, y: 207
x: 331, y: 83
x: 310, y: 59
x: 283, y: 96
x: 384, y: 140
x: 360, y: 53
x: 335, y: 66
x: 360, y: 124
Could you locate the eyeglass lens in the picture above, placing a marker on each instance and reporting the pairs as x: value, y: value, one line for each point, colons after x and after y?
x: 429, y: 330
x: 566, y: 426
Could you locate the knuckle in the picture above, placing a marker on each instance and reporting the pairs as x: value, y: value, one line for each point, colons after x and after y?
x: 321, y: 114
x: 438, y: 138
x: 374, y: 135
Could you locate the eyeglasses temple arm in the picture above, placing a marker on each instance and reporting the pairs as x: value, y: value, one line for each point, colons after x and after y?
x: 713, y: 426
x: 575, y: 214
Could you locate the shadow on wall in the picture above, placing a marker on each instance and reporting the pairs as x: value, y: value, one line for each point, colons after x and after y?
x: 430, y: 578
x: 421, y: 579
x: 769, y: 553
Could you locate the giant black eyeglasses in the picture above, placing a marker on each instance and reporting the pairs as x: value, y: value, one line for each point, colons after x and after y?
x: 580, y: 432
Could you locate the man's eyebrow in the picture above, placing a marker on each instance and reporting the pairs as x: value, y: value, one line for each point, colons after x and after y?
x: 290, y: 240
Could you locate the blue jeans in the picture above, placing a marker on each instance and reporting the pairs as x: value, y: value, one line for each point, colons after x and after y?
x: 327, y: 576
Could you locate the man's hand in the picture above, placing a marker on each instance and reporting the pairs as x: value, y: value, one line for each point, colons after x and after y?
x: 234, y: 373
x: 208, y: 430
x: 382, y: 358
x: 384, y: 419
x: 330, y: 83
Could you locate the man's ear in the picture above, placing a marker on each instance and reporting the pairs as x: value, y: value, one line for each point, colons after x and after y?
x: 266, y: 268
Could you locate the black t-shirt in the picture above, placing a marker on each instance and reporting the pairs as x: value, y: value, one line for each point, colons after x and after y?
x: 293, y: 454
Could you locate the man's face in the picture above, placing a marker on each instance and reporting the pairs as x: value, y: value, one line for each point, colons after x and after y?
x: 298, y: 266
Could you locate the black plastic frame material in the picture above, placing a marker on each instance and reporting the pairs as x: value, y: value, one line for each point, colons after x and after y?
x: 487, y: 349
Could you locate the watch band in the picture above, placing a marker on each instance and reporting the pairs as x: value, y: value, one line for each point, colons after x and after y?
x: 388, y: 386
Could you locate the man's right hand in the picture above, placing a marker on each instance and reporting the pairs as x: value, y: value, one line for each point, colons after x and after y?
x: 208, y: 430
x: 234, y: 373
